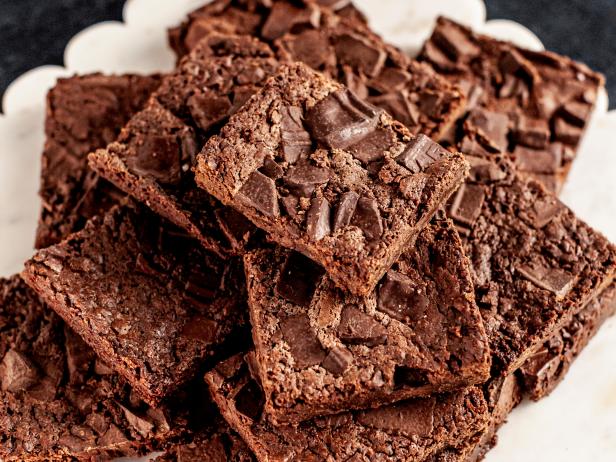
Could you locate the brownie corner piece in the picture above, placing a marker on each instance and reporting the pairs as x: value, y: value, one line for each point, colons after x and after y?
x: 531, y: 105
x: 84, y: 113
x: 410, y: 430
x: 328, y: 175
x: 319, y: 350
x: 143, y: 295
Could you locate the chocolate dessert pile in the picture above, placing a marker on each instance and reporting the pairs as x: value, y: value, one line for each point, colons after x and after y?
x: 302, y: 245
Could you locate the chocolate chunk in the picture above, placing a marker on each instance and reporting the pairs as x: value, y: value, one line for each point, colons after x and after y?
x: 284, y: 17
x: 249, y: 400
x: 359, y: 53
x: 341, y: 120
x: 303, y: 342
x: 567, y: 133
x: 484, y: 171
x: 296, y: 142
x: 345, y: 210
x: 491, y: 128
x: 420, y: 153
x: 157, y: 156
x: 545, y: 210
x: 534, y: 133
x: 539, y: 161
x: 290, y: 204
x: 399, y: 106
x: 271, y: 169
x: 236, y: 227
x: 391, y: 79
x: 373, y: 146
x: 311, y: 47
x: 143, y: 426
x: 367, y: 217
x: 555, y: 280
x: 208, y: 109
x: 303, y: 178
x: 337, y: 360
x: 577, y: 112
x: 201, y: 329
x: 467, y: 204
x: 259, y: 192
x: 298, y: 279
x: 401, y: 298
x: 17, y: 372
x: 358, y: 328
x: 457, y: 45
x: 318, y: 219
x: 414, y: 417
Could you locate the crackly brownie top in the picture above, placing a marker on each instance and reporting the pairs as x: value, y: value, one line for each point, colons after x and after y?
x: 321, y: 351
x: 83, y: 113
x: 534, y: 263
x: 154, y: 155
x: 58, y: 399
x: 533, y: 105
x: 409, y: 430
x: 328, y: 174
x: 266, y: 19
x: 143, y: 295
x: 381, y: 74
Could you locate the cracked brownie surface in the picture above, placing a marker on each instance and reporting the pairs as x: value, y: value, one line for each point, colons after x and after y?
x: 327, y: 174
x: 143, y: 295
x: 533, y: 106
x: 84, y: 113
x: 322, y: 351
x: 407, y: 431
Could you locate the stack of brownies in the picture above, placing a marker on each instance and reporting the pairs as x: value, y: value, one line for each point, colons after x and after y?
x: 302, y: 245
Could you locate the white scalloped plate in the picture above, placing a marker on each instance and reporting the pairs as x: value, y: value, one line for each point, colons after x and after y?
x: 576, y: 423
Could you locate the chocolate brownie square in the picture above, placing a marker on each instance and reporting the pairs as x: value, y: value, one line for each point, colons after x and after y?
x: 535, y: 265
x: 408, y: 430
x: 328, y: 175
x: 153, y: 157
x: 546, y: 368
x: 343, y: 48
x: 143, y: 295
x: 267, y: 19
x: 533, y: 106
x: 58, y: 401
x: 84, y: 113
x: 322, y: 351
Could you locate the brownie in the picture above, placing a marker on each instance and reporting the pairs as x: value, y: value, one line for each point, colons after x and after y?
x: 535, y: 265
x: 83, y: 113
x: 267, y: 19
x: 344, y: 49
x: 543, y: 371
x: 533, y: 106
x: 216, y: 443
x: 328, y: 175
x: 143, y: 295
x: 409, y: 430
x: 321, y: 351
x: 153, y: 157
x: 502, y: 396
x: 58, y: 401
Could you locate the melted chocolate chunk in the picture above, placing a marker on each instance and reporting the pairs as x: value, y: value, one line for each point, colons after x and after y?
x: 249, y: 400
x: 338, y: 360
x: 467, y: 204
x: 298, y: 279
x: 296, y: 141
x: 399, y: 106
x: 17, y: 372
x: 490, y: 127
x: 208, y: 109
x: 341, y: 120
x: 373, y: 146
x: 284, y: 17
x: 304, y: 178
x: 311, y: 47
x: 318, y: 219
x: 367, y: 217
x: 259, y: 191
x: 359, y: 53
x: 401, y: 298
x: 345, y: 210
x: 158, y: 157
x: 390, y: 79
x: 303, y: 342
x: 534, y: 133
x: 455, y: 43
x: 415, y: 417
x: 357, y: 328
x: 420, y: 153
x: 555, y: 280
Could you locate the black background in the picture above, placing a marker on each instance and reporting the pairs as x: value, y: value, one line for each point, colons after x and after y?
x: 35, y: 32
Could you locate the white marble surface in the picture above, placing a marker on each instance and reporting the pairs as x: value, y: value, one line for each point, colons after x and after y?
x: 577, y: 423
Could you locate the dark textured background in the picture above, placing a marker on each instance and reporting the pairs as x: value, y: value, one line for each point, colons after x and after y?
x: 34, y: 32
